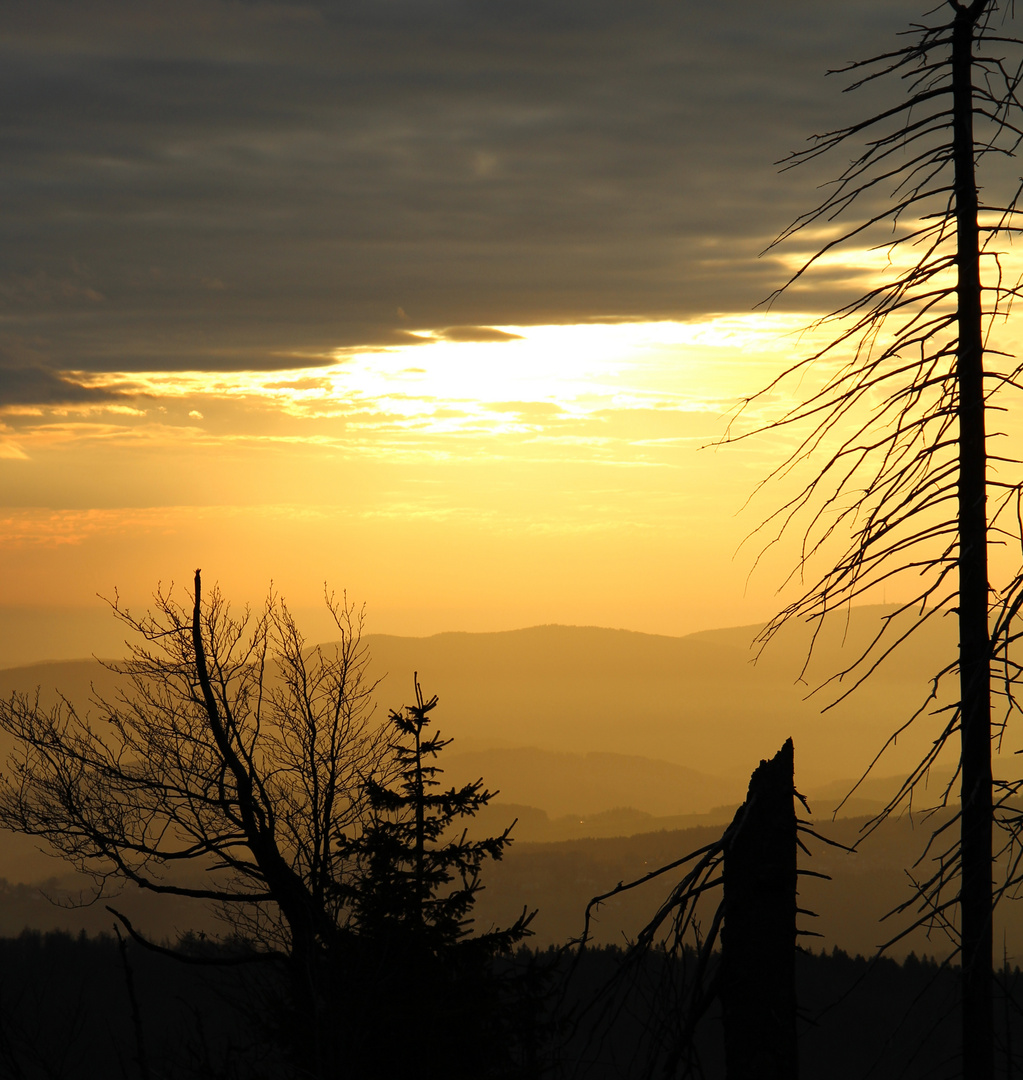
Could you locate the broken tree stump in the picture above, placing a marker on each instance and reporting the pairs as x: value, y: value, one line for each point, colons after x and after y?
x: 758, y: 944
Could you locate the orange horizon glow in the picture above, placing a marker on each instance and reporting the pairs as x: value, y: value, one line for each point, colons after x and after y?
x: 552, y: 474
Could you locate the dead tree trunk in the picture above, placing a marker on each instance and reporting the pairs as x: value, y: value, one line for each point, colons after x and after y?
x: 976, y: 897
x: 758, y: 944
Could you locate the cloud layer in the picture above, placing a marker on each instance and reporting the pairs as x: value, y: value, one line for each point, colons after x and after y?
x: 224, y: 185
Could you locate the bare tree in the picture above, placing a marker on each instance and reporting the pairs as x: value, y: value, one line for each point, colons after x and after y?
x: 905, y: 482
x: 228, y: 769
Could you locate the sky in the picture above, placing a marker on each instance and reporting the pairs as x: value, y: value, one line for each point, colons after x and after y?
x: 442, y: 303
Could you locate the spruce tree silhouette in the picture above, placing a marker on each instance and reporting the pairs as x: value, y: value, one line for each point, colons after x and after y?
x: 411, y: 900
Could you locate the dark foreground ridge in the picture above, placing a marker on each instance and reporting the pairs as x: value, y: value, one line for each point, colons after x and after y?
x: 70, y: 1010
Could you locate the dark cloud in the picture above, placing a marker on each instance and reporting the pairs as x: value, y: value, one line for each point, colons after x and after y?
x: 477, y: 333
x: 37, y: 386
x: 216, y: 184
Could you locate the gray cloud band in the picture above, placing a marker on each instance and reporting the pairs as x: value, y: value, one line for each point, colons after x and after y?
x: 252, y: 186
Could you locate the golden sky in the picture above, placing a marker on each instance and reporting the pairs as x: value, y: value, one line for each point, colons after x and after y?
x: 554, y: 473
x: 388, y: 296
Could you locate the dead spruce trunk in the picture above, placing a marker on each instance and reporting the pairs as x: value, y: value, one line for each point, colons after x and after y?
x: 758, y: 989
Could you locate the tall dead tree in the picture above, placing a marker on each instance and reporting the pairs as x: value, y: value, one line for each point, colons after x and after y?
x: 976, y: 896
x: 897, y: 428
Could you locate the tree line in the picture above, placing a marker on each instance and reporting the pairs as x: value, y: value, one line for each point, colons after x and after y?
x: 239, y: 768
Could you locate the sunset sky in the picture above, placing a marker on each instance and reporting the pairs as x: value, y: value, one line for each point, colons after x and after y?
x: 435, y: 301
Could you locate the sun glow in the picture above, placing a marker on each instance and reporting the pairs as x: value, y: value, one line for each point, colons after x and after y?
x: 575, y: 367
x: 532, y: 377
x: 512, y: 462
x: 623, y: 393
x: 616, y: 387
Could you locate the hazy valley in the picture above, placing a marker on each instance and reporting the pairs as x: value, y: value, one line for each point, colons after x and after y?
x: 616, y: 752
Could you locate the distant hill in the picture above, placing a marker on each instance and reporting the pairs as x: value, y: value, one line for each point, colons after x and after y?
x: 629, y: 749
x: 532, y: 825
x: 562, y: 783
x: 560, y: 878
x: 560, y: 796
x: 590, y: 719
x: 697, y: 701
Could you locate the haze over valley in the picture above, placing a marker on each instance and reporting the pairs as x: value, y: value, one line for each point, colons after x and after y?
x: 582, y: 720
x: 594, y: 736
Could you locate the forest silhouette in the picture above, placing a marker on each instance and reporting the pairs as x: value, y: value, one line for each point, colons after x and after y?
x: 407, y: 948
x: 227, y: 764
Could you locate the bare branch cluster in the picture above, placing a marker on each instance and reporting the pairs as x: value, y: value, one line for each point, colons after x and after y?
x: 882, y: 429
x: 905, y: 483
x: 228, y: 767
x: 239, y: 766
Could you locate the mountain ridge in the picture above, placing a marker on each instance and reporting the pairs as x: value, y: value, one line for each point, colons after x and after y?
x: 693, y: 701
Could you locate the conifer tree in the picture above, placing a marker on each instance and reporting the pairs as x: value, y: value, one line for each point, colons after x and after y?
x: 411, y: 900
x: 408, y: 858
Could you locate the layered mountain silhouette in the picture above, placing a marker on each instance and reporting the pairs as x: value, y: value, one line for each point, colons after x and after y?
x: 615, y: 751
x: 698, y: 701
x: 583, y: 720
